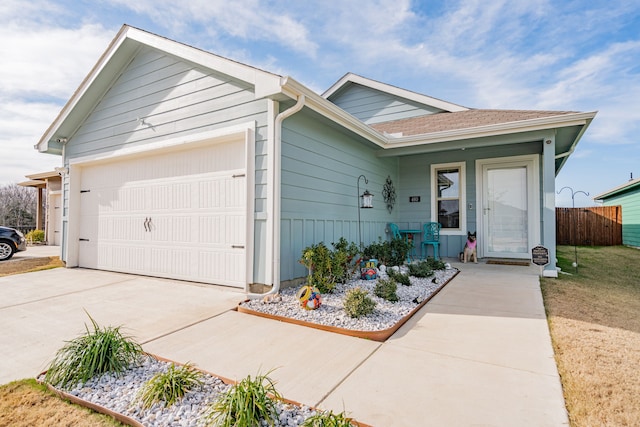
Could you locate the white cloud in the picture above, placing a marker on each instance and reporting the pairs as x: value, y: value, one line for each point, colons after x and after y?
x: 48, y: 61
x: 245, y: 19
x: 42, y: 64
x: 22, y: 124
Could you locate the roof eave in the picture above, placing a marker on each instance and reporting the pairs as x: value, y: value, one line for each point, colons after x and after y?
x: 619, y: 189
x: 35, y: 183
x: 43, y: 175
x: 565, y: 156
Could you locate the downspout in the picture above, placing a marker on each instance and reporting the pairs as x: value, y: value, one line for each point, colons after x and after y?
x: 64, y: 175
x: 276, y: 176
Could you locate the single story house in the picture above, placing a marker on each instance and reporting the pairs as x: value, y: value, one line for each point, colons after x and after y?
x: 48, y: 187
x: 628, y: 196
x: 183, y: 164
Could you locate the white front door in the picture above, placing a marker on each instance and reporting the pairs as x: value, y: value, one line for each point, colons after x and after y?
x: 509, y: 207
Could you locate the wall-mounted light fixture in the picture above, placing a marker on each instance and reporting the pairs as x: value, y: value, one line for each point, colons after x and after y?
x: 365, y: 201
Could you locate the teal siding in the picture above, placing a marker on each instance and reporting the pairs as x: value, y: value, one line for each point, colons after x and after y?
x: 372, y: 106
x: 320, y: 169
x: 415, y: 180
x: 174, y: 98
x: 630, y: 202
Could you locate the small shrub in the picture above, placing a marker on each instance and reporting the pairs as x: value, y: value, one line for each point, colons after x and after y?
x: 328, y: 419
x: 35, y: 236
x: 357, y: 303
x: 380, y: 250
x: 170, y: 386
x: 436, y: 264
x: 248, y: 403
x: 94, y: 353
x: 399, y: 277
x: 344, y: 254
x: 400, y: 249
x: 420, y: 269
x: 328, y: 267
x: 393, y: 252
x: 387, y: 289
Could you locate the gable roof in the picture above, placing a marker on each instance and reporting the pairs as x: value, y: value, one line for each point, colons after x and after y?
x: 120, y: 52
x: 350, y: 78
x: 631, y: 185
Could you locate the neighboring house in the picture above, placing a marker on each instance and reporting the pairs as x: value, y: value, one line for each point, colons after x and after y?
x: 49, y: 198
x: 628, y: 196
x: 183, y: 164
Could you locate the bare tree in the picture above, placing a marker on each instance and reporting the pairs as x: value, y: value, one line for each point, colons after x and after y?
x: 18, y: 206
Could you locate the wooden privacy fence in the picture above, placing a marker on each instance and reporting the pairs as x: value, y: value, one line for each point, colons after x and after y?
x: 594, y: 226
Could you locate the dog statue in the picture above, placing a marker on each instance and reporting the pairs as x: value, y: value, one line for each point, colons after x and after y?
x: 469, y: 252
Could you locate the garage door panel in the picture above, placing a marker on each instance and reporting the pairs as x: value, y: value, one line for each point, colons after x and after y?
x: 224, y: 266
x: 124, y: 258
x: 209, y: 194
x: 234, y: 192
x: 172, y: 262
x: 123, y: 199
x: 121, y: 228
x: 234, y: 229
x: 176, y: 215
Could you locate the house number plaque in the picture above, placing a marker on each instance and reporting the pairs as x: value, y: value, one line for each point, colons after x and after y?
x: 540, y: 256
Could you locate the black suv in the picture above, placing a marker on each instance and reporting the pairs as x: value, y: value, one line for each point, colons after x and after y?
x: 11, y: 241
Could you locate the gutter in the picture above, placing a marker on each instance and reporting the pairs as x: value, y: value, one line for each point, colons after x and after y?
x: 276, y: 177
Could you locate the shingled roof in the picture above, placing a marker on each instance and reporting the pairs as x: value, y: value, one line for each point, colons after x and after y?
x: 447, y: 121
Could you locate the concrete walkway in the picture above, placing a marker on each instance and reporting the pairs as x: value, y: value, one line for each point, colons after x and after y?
x: 478, y: 354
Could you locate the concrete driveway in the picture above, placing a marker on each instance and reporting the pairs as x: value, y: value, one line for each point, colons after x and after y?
x: 478, y: 354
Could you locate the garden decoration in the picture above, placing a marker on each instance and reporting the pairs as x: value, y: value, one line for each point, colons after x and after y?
x: 309, y: 297
x: 389, y: 194
x: 368, y: 269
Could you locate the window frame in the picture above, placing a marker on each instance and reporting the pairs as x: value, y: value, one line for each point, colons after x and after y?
x: 462, y: 196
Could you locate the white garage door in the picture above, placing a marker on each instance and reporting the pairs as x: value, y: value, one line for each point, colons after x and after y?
x: 178, y: 215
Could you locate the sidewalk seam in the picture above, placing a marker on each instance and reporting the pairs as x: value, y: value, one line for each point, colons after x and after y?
x: 64, y: 294
x: 339, y: 383
x: 197, y: 322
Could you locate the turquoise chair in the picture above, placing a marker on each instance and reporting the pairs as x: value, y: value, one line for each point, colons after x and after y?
x: 431, y: 236
x: 395, y: 231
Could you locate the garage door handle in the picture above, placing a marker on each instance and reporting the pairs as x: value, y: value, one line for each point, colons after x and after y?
x: 83, y: 240
x: 147, y: 224
x: 237, y: 246
x: 238, y: 175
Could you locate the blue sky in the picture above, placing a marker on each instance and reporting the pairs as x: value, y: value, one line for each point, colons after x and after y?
x: 526, y: 54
